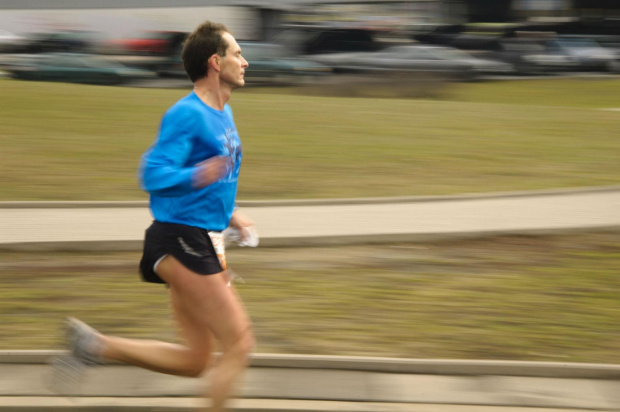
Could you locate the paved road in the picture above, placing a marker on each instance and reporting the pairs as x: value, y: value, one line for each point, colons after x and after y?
x: 83, y: 225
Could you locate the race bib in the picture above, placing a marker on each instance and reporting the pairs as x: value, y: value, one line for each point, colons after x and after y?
x: 217, y: 239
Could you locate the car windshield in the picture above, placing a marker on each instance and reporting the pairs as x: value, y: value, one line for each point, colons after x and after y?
x: 94, y: 61
x: 151, y: 35
x: 577, y: 42
x: 450, y: 54
x: 405, y: 52
x: 63, y: 61
x: 414, y: 52
x: 82, y: 61
x: 398, y: 51
x: 522, y: 46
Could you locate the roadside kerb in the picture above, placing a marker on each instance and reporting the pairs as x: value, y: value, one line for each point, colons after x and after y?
x: 53, y: 204
x: 355, y: 382
x: 180, y: 404
x: 388, y: 365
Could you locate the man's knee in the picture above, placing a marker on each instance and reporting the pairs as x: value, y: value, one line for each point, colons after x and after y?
x: 196, y: 365
x: 248, y: 341
x: 245, y: 342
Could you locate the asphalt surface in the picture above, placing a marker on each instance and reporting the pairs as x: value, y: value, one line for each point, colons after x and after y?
x: 315, y: 383
x: 121, y: 225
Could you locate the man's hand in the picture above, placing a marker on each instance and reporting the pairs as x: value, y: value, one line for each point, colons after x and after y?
x: 211, y: 170
x: 239, y: 221
x: 245, y: 227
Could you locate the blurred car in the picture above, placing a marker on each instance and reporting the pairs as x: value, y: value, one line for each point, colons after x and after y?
x: 75, y: 68
x: 320, y: 40
x: 553, y: 54
x: 441, y: 34
x: 273, y: 63
x: 10, y: 42
x: 74, y: 41
x: 470, y: 36
x: 530, y: 56
x: 586, y: 53
x: 152, y: 42
x: 412, y: 58
x: 269, y: 64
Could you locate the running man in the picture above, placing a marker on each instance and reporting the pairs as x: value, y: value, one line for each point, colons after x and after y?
x: 191, y: 173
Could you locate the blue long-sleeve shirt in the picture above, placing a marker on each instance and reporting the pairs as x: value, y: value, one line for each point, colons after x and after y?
x: 191, y: 132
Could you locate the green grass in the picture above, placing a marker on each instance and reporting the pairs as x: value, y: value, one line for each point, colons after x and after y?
x: 551, y: 298
x: 75, y: 142
x: 593, y: 93
x: 532, y: 298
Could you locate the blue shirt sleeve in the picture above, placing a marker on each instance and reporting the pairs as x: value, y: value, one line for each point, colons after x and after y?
x: 164, y: 170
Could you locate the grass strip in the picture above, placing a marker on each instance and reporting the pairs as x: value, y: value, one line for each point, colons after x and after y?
x: 76, y: 142
x: 552, y: 298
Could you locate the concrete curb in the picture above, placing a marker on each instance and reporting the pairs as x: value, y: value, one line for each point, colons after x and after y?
x: 455, y: 367
x: 319, y: 202
x: 311, y: 383
x: 182, y: 404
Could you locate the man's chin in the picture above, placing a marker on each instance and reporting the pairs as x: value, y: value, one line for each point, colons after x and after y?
x: 239, y: 84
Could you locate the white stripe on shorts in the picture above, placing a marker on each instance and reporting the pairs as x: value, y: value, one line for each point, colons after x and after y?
x: 157, y: 263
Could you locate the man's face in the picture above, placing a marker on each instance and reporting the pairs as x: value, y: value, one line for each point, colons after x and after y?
x: 233, y: 65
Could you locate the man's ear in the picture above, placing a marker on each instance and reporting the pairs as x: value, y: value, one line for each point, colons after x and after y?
x: 214, y: 61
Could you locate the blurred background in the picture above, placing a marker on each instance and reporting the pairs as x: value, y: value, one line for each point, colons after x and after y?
x: 299, y: 40
x: 344, y: 99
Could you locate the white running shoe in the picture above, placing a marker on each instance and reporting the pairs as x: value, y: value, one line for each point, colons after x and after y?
x: 85, y: 343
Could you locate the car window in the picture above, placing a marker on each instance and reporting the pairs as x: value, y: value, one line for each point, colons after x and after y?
x: 61, y: 61
x: 98, y: 62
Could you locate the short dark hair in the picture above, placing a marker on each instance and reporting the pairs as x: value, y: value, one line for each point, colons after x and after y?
x: 201, y: 44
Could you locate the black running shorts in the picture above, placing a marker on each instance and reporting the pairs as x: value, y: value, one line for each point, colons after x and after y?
x: 189, y: 245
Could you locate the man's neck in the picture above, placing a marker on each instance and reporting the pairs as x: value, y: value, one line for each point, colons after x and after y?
x: 211, y: 92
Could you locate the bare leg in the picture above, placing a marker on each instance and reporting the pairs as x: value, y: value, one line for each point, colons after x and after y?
x: 205, y: 307
x: 206, y: 303
x: 157, y: 356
